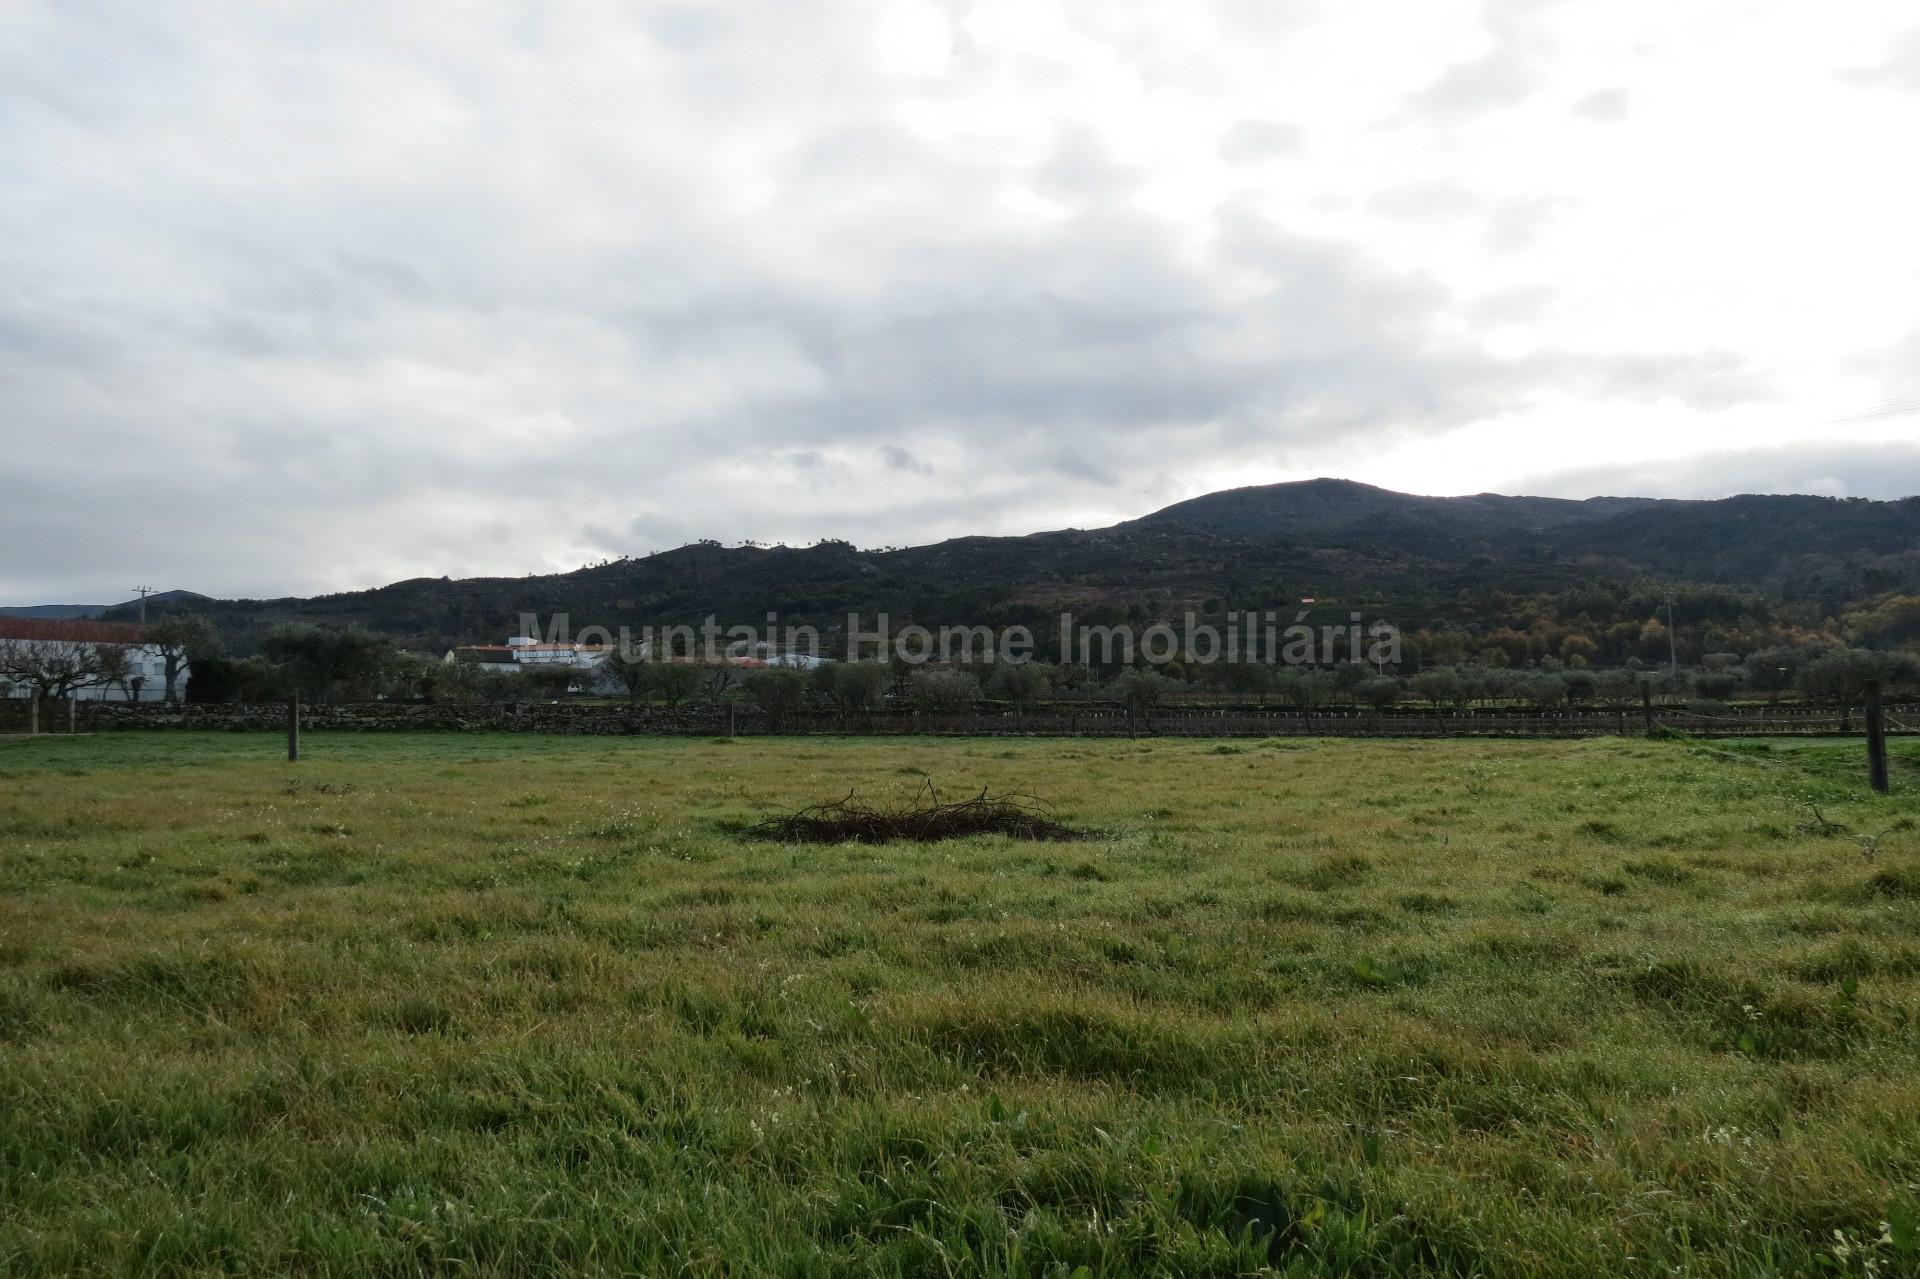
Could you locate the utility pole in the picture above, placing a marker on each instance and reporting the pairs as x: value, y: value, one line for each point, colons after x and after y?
x: 143, y: 592
x: 1673, y: 644
x: 1876, y: 738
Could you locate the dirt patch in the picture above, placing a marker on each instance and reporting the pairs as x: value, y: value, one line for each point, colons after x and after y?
x: 923, y: 819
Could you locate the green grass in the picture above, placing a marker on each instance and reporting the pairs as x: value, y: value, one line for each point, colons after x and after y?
x: 504, y: 1004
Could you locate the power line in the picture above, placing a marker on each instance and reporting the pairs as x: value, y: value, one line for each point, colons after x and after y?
x: 1885, y: 408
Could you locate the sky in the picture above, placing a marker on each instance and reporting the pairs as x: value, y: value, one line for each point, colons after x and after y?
x: 305, y: 297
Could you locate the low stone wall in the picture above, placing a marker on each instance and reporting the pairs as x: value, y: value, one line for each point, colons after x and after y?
x: 534, y: 717
x: 703, y: 719
x: 57, y: 716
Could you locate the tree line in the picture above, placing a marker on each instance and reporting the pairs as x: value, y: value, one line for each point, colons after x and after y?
x: 323, y: 664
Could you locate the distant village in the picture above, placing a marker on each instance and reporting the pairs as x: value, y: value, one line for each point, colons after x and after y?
x: 523, y: 652
x: 83, y: 660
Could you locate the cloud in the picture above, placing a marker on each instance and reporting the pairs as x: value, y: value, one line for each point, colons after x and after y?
x: 1516, y: 225
x: 302, y: 298
x: 1257, y: 141
x: 1521, y: 304
x: 1899, y: 70
x: 1835, y: 468
x: 902, y: 460
x: 1439, y: 200
x: 1605, y: 105
x: 1702, y: 380
x: 1486, y: 83
x: 1081, y: 169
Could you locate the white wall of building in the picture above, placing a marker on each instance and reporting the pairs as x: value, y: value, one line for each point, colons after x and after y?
x: 143, y: 663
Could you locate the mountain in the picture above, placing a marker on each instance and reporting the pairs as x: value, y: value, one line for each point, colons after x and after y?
x: 1751, y: 540
x: 1756, y: 540
x: 181, y: 598
x: 178, y: 600
x: 1430, y: 561
x: 56, y: 612
x: 1342, y: 512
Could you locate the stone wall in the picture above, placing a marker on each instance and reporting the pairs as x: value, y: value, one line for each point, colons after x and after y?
x: 703, y: 719
x: 536, y: 717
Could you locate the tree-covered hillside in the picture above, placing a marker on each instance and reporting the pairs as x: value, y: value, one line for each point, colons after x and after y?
x: 1469, y: 566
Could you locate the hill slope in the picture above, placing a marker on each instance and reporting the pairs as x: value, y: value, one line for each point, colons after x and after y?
x: 1433, y: 558
x: 1340, y: 512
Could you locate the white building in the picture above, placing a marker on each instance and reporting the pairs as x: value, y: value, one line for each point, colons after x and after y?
x: 31, y: 639
x: 523, y: 651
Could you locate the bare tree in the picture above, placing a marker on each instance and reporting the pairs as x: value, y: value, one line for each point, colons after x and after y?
x: 674, y: 682
x: 56, y: 668
x: 632, y: 671
x: 719, y: 676
x: 113, y: 664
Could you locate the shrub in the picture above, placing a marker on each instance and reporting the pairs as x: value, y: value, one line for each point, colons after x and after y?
x: 1716, y: 686
x: 1545, y: 690
x: 1020, y: 683
x: 945, y: 692
x: 1379, y: 692
x: 1581, y: 686
x: 1142, y: 690
x: 1439, y: 688
x: 859, y: 686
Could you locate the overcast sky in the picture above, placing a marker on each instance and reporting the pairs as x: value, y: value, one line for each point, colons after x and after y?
x: 304, y: 297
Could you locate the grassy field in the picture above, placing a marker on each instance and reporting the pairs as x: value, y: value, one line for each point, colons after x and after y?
x: 498, y: 1005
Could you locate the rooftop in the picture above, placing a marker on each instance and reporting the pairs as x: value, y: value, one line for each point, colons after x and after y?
x: 83, y: 632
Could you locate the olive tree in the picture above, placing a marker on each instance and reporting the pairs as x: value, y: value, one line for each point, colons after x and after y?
x: 1142, y: 690
x: 1544, y: 690
x: 1302, y: 689
x: 325, y: 663
x: 1019, y: 684
x: 674, y: 682
x: 181, y: 639
x: 548, y: 681
x: 1379, y: 692
x: 1616, y: 688
x: 631, y: 671
x: 944, y: 692
x: 1842, y: 674
x: 860, y: 687
x: 1581, y: 686
x: 778, y: 692
x: 1717, y: 686
x: 1439, y: 687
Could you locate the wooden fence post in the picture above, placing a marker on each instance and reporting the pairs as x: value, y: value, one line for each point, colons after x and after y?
x: 1876, y: 738
x: 72, y: 712
x: 293, y: 728
x: 1646, y: 704
x: 33, y: 712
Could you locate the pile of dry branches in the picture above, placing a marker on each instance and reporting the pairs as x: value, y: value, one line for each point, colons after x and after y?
x: 923, y: 819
